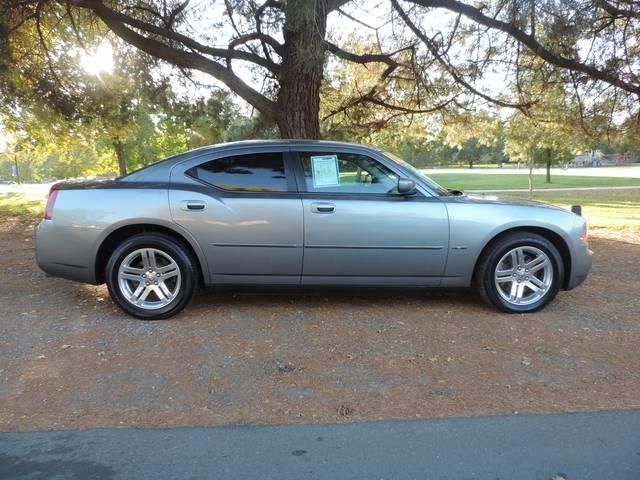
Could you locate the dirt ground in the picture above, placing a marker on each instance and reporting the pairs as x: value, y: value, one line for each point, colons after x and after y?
x: 70, y: 359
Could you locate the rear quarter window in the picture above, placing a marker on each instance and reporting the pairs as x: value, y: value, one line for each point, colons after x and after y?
x: 255, y: 172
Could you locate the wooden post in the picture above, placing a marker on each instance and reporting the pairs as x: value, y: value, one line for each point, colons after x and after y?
x: 530, y: 176
x: 15, y: 161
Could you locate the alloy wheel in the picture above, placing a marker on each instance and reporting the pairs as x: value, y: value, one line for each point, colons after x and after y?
x: 149, y: 278
x: 523, y: 275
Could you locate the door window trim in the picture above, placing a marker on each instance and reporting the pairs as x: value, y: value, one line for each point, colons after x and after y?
x: 302, y: 184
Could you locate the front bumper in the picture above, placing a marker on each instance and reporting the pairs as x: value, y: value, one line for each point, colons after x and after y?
x: 580, y: 265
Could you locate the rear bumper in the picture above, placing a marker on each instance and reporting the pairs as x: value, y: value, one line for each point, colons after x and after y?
x: 66, y: 252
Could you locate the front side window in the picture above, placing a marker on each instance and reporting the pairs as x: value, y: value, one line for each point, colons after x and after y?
x: 255, y: 172
x: 332, y: 172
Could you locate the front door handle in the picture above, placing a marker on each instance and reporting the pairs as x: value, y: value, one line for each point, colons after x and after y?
x: 190, y: 205
x: 323, y: 207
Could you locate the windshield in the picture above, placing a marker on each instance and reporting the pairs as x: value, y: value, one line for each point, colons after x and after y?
x: 438, y: 189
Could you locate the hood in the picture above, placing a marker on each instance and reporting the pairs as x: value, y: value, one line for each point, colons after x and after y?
x: 505, y: 200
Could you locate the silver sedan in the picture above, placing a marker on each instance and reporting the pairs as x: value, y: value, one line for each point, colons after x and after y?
x: 302, y: 213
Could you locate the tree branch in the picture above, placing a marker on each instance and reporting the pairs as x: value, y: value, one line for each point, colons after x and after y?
x: 447, y: 66
x: 263, y: 37
x: 171, y: 18
x: 177, y: 56
x: 178, y: 37
x: 269, y: 4
x: 617, y: 12
x: 370, y: 97
x: 530, y: 42
x: 364, y: 58
x: 335, y: 4
x: 43, y: 44
x: 400, y: 108
x: 354, y: 19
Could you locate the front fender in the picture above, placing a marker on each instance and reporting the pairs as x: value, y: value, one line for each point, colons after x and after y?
x: 473, y: 226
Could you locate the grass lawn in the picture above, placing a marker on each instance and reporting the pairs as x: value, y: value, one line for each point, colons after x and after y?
x: 21, y: 203
x: 479, y: 181
x: 613, y: 213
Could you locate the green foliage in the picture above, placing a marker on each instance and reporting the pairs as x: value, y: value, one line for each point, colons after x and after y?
x: 69, y: 122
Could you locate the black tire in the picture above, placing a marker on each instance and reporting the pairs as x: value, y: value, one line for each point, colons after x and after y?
x: 495, y: 251
x: 169, y: 246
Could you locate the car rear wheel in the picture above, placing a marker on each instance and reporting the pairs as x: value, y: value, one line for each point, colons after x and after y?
x: 521, y: 272
x: 151, y: 276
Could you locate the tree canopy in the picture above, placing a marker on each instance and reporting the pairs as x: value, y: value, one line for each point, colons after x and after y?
x: 353, y: 69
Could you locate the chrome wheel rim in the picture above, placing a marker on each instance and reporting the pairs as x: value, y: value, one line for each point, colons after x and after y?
x: 149, y: 278
x: 523, y: 275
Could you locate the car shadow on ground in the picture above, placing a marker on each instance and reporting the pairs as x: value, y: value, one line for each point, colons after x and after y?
x: 337, y: 297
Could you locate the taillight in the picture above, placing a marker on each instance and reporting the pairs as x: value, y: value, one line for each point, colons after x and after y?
x: 51, y: 200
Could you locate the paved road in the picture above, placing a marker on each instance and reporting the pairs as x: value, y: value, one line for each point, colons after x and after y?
x: 598, y: 446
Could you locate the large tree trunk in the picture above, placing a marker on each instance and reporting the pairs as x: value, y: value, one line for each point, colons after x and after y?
x: 548, y: 179
x: 298, y: 104
x: 122, y: 164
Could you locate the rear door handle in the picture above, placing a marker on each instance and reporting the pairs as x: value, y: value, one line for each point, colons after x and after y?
x: 323, y: 207
x: 192, y: 205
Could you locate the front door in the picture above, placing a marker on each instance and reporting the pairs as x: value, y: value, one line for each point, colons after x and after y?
x: 359, y: 231
x: 246, y: 215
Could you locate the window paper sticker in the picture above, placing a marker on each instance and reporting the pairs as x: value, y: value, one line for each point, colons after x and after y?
x: 325, y: 171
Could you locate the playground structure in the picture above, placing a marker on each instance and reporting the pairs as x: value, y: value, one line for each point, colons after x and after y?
x: 598, y: 159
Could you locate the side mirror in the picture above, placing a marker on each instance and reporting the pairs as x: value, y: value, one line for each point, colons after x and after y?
x: 406, y: 186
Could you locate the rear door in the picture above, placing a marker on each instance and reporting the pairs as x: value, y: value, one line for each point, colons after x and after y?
x: 245, y: 213
x: 358, y: 230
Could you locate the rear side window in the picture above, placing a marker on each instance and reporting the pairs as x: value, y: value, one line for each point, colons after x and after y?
x: 256, y: 172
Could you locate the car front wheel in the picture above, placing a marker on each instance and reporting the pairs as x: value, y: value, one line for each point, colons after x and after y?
x: 521, y: 272
x: 151, y: 276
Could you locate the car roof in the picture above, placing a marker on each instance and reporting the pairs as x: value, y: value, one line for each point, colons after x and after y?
x: 278, y: 143
x: 160, y: 169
